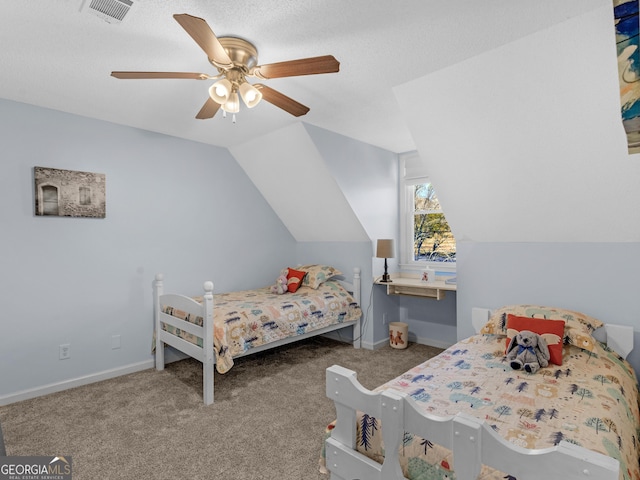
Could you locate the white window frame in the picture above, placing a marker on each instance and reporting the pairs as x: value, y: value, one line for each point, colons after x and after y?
x: 412, y: 172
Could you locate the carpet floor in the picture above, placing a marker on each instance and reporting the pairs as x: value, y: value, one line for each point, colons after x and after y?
x: 267, y: 422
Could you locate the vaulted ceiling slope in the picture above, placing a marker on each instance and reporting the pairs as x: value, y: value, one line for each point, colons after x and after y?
x: 292, y: 176
x: 56, y: 55
x: 530, y: 145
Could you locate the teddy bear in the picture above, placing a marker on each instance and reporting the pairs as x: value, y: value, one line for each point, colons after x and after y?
x: 281, y: 284
x: 528, y: 351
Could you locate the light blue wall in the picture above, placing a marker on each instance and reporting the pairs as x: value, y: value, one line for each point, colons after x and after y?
x: 431, y: 322
x: 368, y: 178
x: 173, y: 206
x: 599, y: 279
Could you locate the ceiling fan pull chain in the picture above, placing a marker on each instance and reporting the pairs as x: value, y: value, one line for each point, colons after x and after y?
x: 234, y: 118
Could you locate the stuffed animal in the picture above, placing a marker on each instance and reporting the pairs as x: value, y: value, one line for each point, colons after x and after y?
x: 281, y: 284
x: 528, y: 351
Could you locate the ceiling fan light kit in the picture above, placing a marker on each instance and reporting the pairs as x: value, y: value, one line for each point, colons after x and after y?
x: 251, y: 96
x: 236, y: 59
x: 232, y: 105
x: 220, y: 91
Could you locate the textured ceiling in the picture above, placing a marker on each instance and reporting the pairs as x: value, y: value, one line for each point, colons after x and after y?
x: 54, y: 55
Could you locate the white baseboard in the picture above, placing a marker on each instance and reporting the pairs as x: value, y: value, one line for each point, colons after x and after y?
x: 374, y: 346
x: 431, y: 342
x: 75, y: 382
x: 136, y: 367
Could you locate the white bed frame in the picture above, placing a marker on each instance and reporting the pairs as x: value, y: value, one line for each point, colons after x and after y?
x: 205, y: 309
x: 472, y: 441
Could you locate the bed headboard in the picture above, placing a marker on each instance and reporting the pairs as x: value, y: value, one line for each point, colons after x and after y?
x: 617, y: 337
x: 352, y: 287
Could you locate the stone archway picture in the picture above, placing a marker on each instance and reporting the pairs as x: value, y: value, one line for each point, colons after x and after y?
x: 69, y: 193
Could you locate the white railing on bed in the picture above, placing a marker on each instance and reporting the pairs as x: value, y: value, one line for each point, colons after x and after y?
x: 206, y: 354
x: 472, y: 441
x: 203, y: 354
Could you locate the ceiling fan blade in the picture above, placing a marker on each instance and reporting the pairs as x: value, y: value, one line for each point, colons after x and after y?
x: 138, y: 75
x: 293, y: 68
x: 280, y: 100
x: 208, y: 110
x: 204, y: 36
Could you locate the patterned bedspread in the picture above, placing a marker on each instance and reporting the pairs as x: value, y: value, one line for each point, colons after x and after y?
x: 591, y: 400
x: 250, y: 318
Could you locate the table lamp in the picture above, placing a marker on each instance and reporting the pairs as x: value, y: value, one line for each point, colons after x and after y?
x: 384, y: 250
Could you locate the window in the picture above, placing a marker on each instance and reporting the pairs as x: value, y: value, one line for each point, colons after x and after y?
x: 432, y: 237
x: 426, y: 237
x: 85, y: 195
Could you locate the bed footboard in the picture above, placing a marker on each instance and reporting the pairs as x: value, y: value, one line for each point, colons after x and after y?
x: 203, y: 354
x: 472, y: 441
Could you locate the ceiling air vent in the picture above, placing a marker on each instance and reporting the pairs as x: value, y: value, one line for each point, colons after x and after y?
x: 112, y: 11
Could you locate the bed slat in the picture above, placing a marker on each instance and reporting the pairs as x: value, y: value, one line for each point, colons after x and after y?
x: 182, y: 345
x: 176, y: 322
x: 344, y: 463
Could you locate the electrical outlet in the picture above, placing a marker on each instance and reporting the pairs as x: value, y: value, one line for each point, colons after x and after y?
x: 65, y: 351
x: 115, y: 342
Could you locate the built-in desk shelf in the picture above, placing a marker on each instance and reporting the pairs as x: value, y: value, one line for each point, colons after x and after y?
x: 415, y: 287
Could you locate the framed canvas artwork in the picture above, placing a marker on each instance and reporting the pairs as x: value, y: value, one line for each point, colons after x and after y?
x: 626, y: 28
x: 69, y: 193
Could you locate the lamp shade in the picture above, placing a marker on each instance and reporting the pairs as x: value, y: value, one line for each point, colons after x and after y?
x: 385, y: 248
x: 250, y: 94
x: 220, y: 91
x: 233, y: 104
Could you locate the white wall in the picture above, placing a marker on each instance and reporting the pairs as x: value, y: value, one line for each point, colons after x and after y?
x: 525, y: 142
x: 526, y: 146
x: 368, y: 178
x: 292, y: 175
x: 173, y: 206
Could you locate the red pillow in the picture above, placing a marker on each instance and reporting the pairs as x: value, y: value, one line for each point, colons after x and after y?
x: 294, y: 279
x: 551, y: 330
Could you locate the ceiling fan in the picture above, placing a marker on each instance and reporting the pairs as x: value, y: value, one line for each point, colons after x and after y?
x: 236, y: 59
